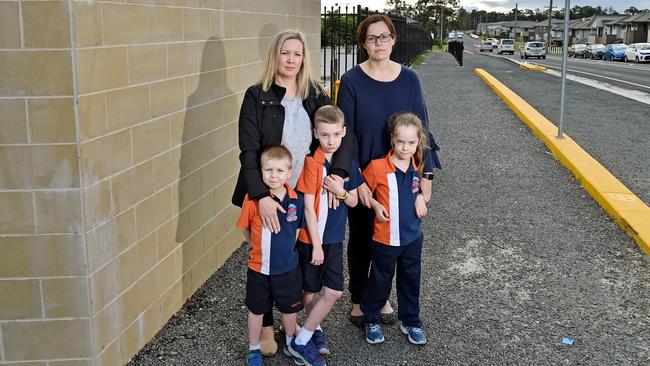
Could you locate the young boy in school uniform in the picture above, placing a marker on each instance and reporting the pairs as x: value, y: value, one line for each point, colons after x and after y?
x: 321, y: 255
x: 273, y: 276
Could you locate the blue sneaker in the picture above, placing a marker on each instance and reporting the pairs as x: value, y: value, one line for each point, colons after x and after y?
x: 374, y: 334
x: 296, y: 360
x: 319, y: 341
x: 415, y: 334
x: 307, y: 353
x: 254, y: 358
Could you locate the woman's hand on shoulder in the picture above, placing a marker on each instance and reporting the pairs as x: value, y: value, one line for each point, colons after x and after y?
x: 365, y: 195
x: 269, y: 213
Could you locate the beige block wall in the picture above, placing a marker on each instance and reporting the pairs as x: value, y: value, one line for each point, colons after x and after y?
x: 119, y: 204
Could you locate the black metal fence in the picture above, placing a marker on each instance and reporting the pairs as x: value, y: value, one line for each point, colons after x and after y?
x: 340, y: 52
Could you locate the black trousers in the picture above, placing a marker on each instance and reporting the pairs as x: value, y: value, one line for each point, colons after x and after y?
x: 385, y: 259
x: 361, y: 227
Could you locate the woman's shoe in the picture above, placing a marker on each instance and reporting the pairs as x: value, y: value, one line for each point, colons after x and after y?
x: 356, y: 320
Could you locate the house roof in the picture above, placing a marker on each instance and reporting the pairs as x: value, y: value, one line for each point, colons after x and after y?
x: 580, y: 23
x: 554, y: 22
x: 638, y: 18
x: 521, y: 24
x: 600, y: 20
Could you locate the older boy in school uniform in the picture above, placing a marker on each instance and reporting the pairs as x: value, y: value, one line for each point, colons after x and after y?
x: 315, y: 182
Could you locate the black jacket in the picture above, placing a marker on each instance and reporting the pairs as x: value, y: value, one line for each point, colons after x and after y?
x: 261, y: 120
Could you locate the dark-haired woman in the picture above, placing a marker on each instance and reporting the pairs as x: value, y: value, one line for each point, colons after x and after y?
x: 370, y: 93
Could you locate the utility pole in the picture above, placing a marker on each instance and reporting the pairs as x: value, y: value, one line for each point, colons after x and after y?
x: 442, y: 15
x: 548, y: 33
x: 516, y: 10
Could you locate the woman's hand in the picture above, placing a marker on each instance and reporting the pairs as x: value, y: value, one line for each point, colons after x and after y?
x: 420, y: 206
x: 334, y: 186
x: 365, y: 195
x: 269, y: 212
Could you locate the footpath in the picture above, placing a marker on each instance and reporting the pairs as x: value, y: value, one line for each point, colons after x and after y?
x: 518, y: 259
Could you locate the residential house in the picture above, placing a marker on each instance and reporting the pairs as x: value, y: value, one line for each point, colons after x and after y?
x: 598, y: 24
x: 541, y: 30
x: 580, y: 30
x: 615, y: 30
x: 524, y: 31
x: 637, y: 28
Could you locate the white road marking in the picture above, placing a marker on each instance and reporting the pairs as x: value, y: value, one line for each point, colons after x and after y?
x: 636, y: 95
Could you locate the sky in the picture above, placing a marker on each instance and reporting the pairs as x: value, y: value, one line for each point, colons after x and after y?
x: 506, y: 5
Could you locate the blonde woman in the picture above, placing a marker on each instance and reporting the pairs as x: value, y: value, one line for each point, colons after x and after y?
x: 280, y: 110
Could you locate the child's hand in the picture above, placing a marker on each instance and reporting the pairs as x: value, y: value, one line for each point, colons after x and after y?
x: 381, y: 212
x: 317, y: 255
x: 420, y: 206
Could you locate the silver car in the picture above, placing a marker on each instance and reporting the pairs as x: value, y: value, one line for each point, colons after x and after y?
x: 486, y: 46
x: 506, y: 46
x: 532, y: 49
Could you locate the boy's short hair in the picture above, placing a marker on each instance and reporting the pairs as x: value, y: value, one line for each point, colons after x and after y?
x: 330, y: 114
x: 276, y: 152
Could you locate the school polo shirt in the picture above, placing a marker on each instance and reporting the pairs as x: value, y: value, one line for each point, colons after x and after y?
x: 273, y: 254
x: 331, y: 223
x: 396, y: 191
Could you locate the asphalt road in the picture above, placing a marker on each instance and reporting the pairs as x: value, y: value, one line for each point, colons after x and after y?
x: 517, y: 257
x: 627, y: 75
x: 610, y: 127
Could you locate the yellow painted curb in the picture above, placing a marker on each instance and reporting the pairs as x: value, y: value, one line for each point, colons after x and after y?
x: 632, y: 214
x: 531, y: 67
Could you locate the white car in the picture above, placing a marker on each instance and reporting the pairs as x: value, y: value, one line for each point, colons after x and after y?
x: 533, y: 49
x: 638, y: 52
x: 494, y: 41
x: 474, y: 36
x: 506, y: 45
x: 486, y: 46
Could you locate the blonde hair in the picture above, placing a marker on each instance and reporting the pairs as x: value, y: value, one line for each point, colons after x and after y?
x: 303, y: 79
x: 410, y: 119
x: 276, y: 152
x: 329, y: 114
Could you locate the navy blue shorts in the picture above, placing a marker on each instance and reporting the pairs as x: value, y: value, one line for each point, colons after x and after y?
x: 283, y: 290
x: 329, y: 274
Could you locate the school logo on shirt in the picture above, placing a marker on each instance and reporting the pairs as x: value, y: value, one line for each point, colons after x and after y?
x: 292, y: 213
x: 415, y: 186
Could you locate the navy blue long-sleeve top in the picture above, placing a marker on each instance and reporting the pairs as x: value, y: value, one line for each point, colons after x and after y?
x: 368, y: 104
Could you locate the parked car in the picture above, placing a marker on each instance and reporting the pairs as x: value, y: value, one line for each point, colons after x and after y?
x: 615, y: 51
x: 577, y: 49
x: 486, y: 46
x: 506, y: 46
x: 638, y: 52
x: 460, y: 35
x: 594, y: 51
x: 474, y: 36
x: 532, y: 49
x: 494, y: 42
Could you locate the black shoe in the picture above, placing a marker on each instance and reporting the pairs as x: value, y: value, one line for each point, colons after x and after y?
x: 357, y: 320
x: 390, y: 318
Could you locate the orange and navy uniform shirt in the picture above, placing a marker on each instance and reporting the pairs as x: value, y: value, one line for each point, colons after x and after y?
x: 331, y: 223
x: 273, y: 254
x: 396, y: 191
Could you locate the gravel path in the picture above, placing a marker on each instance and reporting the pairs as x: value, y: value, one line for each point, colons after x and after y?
x: 516, y: 257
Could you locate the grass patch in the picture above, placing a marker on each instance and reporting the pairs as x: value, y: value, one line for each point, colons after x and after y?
x: 420, y: 58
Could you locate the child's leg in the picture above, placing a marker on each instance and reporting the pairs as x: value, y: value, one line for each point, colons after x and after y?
x: 309, y: 299
x: 409, y: 266
x: 384, y: 259
x: 321, y: 309
x: 289, y: 324
x: 254, y: 329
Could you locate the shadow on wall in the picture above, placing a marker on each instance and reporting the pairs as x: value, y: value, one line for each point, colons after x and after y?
x: 208, y: 163
x: 202, y: 166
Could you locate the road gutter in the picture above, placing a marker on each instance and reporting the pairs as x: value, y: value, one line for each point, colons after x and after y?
x: 629, y: 212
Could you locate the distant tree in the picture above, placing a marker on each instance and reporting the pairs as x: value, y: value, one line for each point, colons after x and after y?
x: 632, y: 10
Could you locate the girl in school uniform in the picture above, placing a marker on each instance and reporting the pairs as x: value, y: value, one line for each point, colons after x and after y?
x: 399, y: 203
